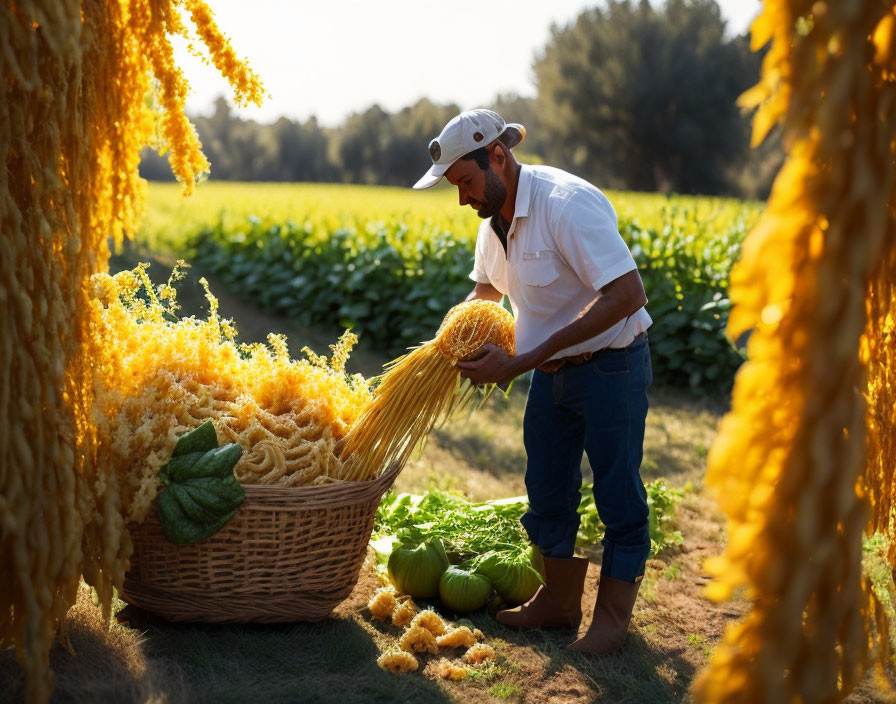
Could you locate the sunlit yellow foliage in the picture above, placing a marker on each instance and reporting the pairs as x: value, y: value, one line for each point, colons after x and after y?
x: 85, y: 86
x: 815, y: 287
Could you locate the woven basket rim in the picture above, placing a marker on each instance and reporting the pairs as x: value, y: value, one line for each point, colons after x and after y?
x: 392, y: 469
x: 302, y: 498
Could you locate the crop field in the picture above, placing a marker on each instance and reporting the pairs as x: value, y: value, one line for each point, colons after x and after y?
x: 171, y: 219
x: 389, y: 262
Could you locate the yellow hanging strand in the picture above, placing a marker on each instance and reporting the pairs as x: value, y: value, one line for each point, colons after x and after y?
x: 77, y: 96
x: 788, y: 465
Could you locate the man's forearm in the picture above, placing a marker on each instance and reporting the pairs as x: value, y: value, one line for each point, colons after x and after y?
x: 596, y: 319
x: 617, y: 303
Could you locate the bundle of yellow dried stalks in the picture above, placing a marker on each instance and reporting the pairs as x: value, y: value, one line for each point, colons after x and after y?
x: 421, y: 387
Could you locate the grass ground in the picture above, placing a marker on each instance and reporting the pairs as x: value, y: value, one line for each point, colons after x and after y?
x: 141, y: 658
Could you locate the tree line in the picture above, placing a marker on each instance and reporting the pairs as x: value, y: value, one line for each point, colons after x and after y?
x: 628, y: 95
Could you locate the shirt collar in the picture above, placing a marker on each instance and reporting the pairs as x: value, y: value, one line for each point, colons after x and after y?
x: 523, y: 193
x: 521, y: 206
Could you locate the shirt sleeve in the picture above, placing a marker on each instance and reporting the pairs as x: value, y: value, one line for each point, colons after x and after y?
x: 587, y: 236
x: 478, y: 274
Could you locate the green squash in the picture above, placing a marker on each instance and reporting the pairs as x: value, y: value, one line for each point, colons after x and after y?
x: 515, y: 577
x: 415, y: 569
x: 201, y: 492
x: 462, y: 591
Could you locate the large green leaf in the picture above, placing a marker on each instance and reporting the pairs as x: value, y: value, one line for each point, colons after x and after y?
x: 200, y: 439
x: 201, y: 492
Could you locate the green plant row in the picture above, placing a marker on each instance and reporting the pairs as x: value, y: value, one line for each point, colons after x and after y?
x: 686, y: 280
x: 467, y: 529
x: 393, y: 287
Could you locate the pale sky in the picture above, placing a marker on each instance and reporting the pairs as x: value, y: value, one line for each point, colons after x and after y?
x: 332, y: 57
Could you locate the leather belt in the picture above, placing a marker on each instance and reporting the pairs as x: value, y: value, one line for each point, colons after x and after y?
x: 577, y: 360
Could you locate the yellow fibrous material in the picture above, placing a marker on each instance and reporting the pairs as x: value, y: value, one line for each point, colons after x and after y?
x: 86, y: 85
x: 422, y: 387
x: 448, y: 670
x: 810, y: 436
x: 172, y: 374
x: 456, y: 638
x: 879, y: 354
x: 479, y: 653
x: 431, y: 621
x: 404, y: 613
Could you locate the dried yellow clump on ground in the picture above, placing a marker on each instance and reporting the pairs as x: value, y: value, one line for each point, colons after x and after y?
x: 383, y: 604
x: 461, y: 637
x: 417, y: 639
x: 450, y: 671
x: 479, y: 653
x: 431, y: 621
x: 404, y: 613
x: 397, y: 662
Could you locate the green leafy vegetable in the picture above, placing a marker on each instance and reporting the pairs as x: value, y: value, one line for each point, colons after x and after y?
x: 661, y: 500
x: 201, y: 492
x: 199, y: 439
x: 470, y: 531
x: 466, y: 529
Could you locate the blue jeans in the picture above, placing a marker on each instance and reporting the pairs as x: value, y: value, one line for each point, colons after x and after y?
x: 598, y: 407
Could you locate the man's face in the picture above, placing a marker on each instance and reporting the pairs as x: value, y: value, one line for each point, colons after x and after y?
x: 484, y: 191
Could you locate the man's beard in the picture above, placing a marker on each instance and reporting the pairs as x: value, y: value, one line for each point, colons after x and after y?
x: 494, y: 196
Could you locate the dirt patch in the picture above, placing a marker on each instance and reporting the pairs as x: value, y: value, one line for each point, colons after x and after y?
x: 566, y: 686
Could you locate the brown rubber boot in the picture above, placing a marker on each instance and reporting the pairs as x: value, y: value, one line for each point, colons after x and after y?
x: 558, y: 602
x: 612, y: 613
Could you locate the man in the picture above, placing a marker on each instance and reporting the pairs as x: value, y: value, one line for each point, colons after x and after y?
x: 550, y: 242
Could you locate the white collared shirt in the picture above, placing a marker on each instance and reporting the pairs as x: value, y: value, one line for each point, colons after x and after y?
x: 563, y: 246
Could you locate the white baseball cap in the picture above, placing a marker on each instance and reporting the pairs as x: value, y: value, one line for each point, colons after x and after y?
x: 466, y: 133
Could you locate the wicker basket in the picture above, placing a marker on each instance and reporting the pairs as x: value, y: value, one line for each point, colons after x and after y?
x: 288, y: 554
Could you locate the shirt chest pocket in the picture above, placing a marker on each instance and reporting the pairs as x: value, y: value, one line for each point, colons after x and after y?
x: 538, y: 272
x: 538, y: 268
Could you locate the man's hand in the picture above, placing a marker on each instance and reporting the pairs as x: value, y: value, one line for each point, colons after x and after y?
x: 491, y: 365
